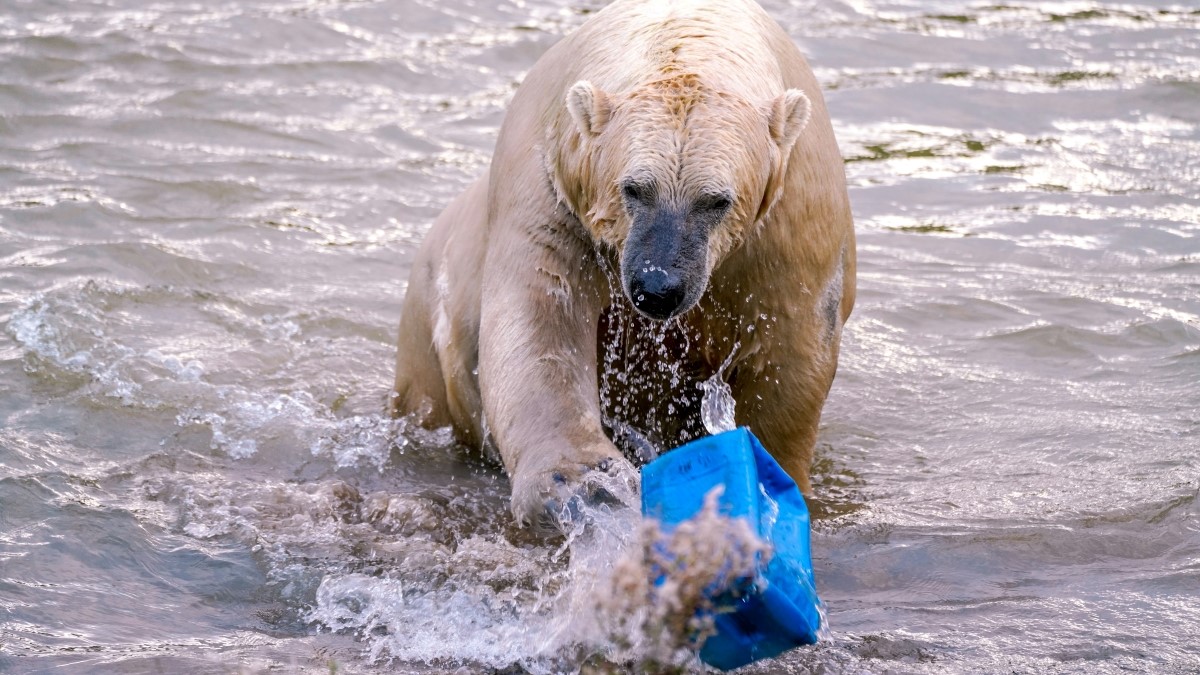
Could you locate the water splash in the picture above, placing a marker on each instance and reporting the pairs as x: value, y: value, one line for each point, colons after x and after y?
x: 485, y: 601
x: 619, y: 595
x: 717, y: 405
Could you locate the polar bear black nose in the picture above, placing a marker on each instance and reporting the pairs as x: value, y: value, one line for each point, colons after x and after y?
x: 657, y: 293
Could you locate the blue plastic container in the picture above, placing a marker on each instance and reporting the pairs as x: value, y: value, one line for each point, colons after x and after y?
x: 781, y: 609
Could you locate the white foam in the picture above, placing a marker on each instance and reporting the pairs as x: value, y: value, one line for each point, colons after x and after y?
x: 50, y: 337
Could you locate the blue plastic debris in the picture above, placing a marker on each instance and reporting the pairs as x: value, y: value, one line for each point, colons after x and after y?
x: 781, y: 609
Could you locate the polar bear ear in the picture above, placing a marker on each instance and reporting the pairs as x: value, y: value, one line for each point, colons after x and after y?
x: 787, y: 116
x: 589, y: 107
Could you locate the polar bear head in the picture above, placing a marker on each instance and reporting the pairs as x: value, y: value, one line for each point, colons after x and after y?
x: 673, y: 175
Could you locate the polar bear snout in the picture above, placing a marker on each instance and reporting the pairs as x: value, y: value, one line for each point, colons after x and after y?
x: 664, y: 263
x: 657, y: 293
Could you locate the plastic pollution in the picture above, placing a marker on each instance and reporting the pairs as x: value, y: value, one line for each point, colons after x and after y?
x: 781, y: 609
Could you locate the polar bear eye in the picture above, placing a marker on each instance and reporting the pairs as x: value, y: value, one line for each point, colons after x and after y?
x: 637, y: 192
x: 718, y: 203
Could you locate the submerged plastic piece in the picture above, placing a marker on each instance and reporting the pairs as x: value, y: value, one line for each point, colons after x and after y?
x: 781, y: 609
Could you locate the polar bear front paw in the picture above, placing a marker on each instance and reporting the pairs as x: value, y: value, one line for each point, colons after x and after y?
x: 558, y: 501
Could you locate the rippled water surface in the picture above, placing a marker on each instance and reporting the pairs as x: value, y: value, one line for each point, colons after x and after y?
x: 207, y: 214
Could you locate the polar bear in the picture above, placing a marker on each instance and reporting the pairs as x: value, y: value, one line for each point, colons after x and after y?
x: 666, y: 202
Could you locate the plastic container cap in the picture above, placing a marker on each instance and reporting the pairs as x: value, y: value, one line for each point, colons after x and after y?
x: 781, y: 609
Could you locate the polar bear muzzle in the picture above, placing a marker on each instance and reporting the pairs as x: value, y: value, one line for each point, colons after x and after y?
x: 664, y: 267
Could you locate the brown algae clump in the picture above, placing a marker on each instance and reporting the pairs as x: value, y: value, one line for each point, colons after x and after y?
x: 666, y: 589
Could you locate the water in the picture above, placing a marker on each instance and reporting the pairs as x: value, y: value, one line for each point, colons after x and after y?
x: 207, y: 213
x: 717, y: 407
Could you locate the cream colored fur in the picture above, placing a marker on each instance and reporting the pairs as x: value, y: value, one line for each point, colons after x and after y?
x: 499, y: 330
